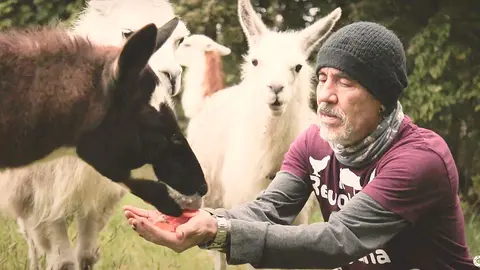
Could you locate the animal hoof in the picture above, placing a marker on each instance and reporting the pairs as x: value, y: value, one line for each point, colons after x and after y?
x: 88, y: 260
x: 67, y: 266
x: 87, y: 263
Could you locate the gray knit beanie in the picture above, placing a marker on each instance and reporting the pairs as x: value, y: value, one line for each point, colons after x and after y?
x: 372, y: 55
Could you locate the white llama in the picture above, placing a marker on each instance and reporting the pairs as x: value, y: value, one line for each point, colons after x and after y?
x: 242, y: 133
x: 42, y: 196
x: 111, y: 21
x: 201, y: 55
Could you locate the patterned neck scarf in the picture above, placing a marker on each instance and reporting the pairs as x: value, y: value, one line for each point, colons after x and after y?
x: 373, y: 145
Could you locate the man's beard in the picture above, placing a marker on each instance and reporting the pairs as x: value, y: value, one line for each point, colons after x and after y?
x: 342, y: 134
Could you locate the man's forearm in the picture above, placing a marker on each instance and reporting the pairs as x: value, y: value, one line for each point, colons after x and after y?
x: 280, y: 203
x: 344, y: 238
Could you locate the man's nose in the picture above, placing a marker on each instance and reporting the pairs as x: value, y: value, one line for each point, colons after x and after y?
x: 326, y: 92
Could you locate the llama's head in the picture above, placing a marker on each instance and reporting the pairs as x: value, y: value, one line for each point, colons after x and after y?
x: 133, y: 133
x: 112, y: 21
x: 193, y: 49
x: 276, y: 66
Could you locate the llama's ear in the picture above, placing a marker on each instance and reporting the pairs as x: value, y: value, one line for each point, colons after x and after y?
x: 165, y: 31
x: 137, y: 50
x: 251, y: 23
x: 222, y: 50
x: 315, y: 33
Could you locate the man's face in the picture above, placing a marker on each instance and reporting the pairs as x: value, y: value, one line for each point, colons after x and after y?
x: 347, y: 112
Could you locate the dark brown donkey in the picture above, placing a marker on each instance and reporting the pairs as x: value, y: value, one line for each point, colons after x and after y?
x: 61, y: 94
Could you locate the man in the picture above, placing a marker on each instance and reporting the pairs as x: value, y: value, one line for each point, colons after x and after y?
x: 387, y: 188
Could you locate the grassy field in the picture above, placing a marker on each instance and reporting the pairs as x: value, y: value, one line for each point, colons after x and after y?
x: 122, y: 249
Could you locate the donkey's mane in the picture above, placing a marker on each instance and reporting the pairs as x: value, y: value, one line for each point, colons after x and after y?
x: 52, y: 72
x: 52, y: 55
x: 34, y: 41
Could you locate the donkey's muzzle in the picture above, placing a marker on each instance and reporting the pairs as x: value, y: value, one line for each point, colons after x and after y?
x: 203, y: 190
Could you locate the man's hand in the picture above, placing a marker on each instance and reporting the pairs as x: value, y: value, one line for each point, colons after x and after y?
x: 199, y: 227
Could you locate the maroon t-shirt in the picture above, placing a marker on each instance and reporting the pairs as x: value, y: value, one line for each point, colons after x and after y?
x: 416, y: 178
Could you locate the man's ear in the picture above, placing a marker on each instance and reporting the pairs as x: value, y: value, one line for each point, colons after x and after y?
x: 136, y: 51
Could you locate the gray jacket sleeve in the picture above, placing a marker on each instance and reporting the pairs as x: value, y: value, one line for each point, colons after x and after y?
x: 280, y: 203
x: 260, y: 235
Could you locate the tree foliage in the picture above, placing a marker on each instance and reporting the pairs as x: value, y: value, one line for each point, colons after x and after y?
x: 15, y: 13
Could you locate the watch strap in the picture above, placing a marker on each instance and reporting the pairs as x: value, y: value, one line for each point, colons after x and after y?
x: 221, y: 240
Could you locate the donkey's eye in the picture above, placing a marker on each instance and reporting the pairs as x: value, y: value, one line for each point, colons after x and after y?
x: 298, y: 68
x: 127, y: 33
x: 255, y: 62
x: 177, y: 139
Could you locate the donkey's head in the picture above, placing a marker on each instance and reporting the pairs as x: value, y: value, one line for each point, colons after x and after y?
x: 193, y: 48
x: 276, y: 64
x: 134, y: 133
x: 113, y: 21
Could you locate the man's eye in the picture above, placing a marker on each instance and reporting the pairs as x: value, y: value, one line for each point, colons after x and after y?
x: 345, y: 82
x: 322, y: 79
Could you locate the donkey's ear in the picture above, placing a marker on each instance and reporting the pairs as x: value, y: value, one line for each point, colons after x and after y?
x: 251, y: 23
x: 165, y: 31
x: 137, y: 50
x: 315, y: 33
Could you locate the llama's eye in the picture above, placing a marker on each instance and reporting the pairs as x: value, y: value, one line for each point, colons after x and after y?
x: 298, y: 68
x: 255, y: 62
x: 127, y: 33
x: 180, y: 40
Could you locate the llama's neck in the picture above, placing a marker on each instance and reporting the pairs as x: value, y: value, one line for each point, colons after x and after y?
x: 194, y: 78
x: 269, y: 135
x: 213, y: 73
x: 201, y: 80
x: 265, y: 139
x: 285, y: 126
x: 192, y: 96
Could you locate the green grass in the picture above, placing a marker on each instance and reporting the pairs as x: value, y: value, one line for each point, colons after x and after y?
x: 121, y: 248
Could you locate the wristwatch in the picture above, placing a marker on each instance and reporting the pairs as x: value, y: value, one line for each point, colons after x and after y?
x: 221, y: 240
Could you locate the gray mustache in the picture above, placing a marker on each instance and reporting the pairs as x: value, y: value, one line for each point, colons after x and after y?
x: 324, y: 108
